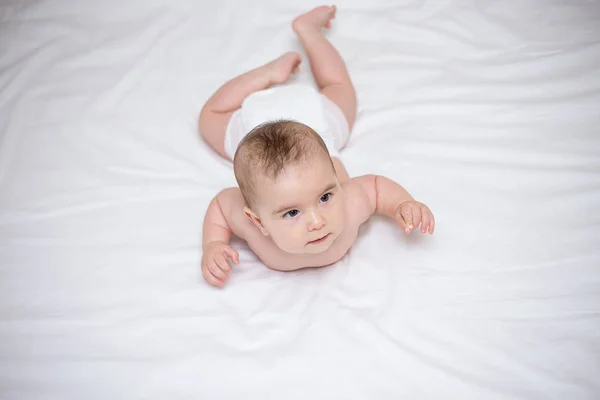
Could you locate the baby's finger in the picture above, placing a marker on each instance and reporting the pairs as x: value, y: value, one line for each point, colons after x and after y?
x: 217, y: 274
x: 407, y: 215
x: 232, y: 254
x: 220, y: 268
x: 401, y: 222
x: 416, y: 214
x: 210, y: 278
x: 425, y: 219
x: 432, y: 224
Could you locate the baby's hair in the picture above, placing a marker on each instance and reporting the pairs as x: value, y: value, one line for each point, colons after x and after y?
x: 269, y: 148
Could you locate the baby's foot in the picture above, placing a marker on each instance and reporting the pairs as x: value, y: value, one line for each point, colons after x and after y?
x: 284, y: 66
x: 317, y: 18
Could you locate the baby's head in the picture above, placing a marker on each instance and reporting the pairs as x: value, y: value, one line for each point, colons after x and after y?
x: 290, y: 187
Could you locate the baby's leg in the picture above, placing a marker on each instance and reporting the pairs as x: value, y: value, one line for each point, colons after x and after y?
x: 217, y: 111
x: 326, y: 64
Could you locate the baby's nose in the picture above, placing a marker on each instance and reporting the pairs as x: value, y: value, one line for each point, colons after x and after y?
x: 316, y: 221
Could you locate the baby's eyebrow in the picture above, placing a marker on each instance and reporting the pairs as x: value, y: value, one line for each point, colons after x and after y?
x: 329, y: 187
x: 282, y: 209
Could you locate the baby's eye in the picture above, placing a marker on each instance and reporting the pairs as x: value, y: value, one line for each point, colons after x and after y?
x: 290, y: 214
x: 326, y: 197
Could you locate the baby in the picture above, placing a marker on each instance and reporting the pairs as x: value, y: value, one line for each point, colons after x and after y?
x: 296, y: 206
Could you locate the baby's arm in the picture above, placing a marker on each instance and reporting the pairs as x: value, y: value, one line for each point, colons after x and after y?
x: 215, y: 242
x: 388, y: 198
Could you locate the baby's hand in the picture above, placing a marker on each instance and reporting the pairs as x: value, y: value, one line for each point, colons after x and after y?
x: 412, y: 213
x: 215, y: 269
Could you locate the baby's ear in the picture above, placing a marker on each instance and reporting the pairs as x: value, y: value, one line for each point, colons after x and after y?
x: 255, y: 220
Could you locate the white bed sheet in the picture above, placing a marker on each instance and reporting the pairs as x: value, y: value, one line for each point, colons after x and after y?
x: 488, y: 111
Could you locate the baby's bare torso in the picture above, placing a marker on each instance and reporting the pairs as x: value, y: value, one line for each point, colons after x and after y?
x: 358, y: 210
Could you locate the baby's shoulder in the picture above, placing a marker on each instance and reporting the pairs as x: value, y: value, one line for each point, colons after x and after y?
x: 232, y: 205
x: 230, y: 198
x: 361, y: 202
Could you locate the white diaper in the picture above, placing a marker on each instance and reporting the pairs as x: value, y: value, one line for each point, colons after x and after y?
x: 297, y: 102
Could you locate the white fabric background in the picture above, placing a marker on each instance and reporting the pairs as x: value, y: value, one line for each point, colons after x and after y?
x: 488, y: 111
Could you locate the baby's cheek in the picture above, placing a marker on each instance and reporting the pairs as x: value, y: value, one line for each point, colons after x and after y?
x: 290, y: 234
x: 297, y: 234
x: 337, y: 215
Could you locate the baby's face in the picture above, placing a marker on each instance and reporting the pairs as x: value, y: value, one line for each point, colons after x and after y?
x: 304, y: 209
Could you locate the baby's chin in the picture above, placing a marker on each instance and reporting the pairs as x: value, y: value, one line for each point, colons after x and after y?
x: 310, y: 250
x: 314, y: 248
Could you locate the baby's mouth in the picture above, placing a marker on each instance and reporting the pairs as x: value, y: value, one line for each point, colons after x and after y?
x: 319, y: 240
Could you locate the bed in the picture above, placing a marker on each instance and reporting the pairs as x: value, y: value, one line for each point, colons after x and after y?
x: 488, y: 111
